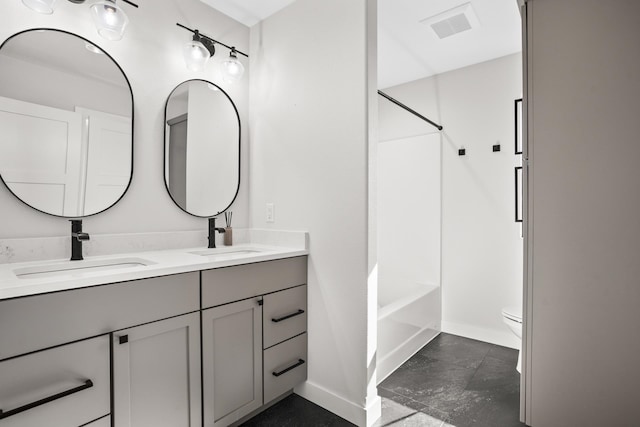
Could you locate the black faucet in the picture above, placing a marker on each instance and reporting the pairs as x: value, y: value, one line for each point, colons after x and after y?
x: 77, y: 237
x: 212, y: 232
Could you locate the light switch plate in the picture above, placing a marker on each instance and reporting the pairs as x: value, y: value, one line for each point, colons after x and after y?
x: 270, y: 213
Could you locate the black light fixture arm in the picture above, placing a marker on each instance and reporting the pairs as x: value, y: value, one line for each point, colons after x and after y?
x: 126, y: 1
x: 412, y: 111
x: 130, y: 3
x: 231, y: 48
x: 208, y: 44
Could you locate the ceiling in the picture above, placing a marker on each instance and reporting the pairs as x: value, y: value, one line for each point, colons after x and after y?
x: 408, y: 49
x: 249, y: 12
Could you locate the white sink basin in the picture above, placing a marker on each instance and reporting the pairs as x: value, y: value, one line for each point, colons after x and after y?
x: 77, y: 268
x: 225, y: 254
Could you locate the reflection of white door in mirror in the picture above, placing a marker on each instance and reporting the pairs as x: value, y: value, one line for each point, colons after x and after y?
x: 41, y: 155
x: 63, y: 162
x: 106, y: 159
x: 48, y: 144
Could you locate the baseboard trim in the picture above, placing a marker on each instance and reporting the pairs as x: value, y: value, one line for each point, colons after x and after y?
x: 504, y: 338
x: 350, y: 411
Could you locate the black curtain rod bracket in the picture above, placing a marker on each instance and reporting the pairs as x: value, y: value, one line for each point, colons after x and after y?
x: 213, y: 40
x: 412, y: 111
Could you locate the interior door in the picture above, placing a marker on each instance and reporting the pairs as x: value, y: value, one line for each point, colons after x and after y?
x: 41, y: 155
x: 108, y: 158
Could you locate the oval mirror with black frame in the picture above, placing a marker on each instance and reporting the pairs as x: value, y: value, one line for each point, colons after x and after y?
x: 201, y: 148
x: 66, y: 123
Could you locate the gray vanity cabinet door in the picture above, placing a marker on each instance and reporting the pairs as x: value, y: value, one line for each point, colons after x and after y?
x: 231, y: 361
x: 157, y: 374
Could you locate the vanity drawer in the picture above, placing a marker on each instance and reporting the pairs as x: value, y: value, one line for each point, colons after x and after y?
x: 72, y: 383
x: 284, y: 315
x: 41, y: 321
x: 228, y: 284
x: 285, y: 366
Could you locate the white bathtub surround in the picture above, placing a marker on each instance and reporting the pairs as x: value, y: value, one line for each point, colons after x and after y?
x: 481, y: 242
x: 50, y: 248
x: 405, y: 326
x: 409, y: 236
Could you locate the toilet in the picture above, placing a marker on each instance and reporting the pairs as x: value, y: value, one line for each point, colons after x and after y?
x: 512, y: 317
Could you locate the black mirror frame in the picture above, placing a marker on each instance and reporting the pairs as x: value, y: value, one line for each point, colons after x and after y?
x: 132, y: 123
x: 164, y: 157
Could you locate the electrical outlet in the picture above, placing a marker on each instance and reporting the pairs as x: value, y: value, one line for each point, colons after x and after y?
x: 270, y: 213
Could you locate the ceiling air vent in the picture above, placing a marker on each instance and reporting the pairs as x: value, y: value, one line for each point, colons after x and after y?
x: 452, y: 21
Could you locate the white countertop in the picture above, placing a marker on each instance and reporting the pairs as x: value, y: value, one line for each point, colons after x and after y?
x: 161, y: 263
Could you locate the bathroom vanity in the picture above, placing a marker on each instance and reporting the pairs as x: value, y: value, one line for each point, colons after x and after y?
x: 189, y: 340
x: 176, y: 338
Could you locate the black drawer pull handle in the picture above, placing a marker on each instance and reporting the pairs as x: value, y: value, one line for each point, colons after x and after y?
x: 6, y: 414
x: 284, y: 371
x: 288, y: 316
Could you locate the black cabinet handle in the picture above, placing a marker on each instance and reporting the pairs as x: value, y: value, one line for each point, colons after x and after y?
x: 288, y: 316
x: 6, y: 414
x: 284, y: 371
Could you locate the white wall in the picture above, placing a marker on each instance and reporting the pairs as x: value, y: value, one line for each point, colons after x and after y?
x: 481, y: 243
x: 309, y: 144
x: 151, y: 56
x: 583, y: 230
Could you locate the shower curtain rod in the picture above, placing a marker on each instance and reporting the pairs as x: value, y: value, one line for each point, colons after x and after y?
x: 415, y: 113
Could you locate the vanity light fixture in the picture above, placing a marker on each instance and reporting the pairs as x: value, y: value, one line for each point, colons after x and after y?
x: 198, y: 51
x: 109, y: 19
x: 232, y: 68
x: 93, y: 48
x: 45, y: 7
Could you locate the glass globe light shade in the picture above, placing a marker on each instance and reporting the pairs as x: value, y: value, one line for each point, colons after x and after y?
x: 93, y: 48
x: 232, y: 68
x: 196, y: 55
x: 41, y: 6
x: 109, y: 19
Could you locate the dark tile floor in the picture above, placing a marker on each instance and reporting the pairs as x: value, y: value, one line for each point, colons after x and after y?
x: 294, y: 411
x: 455, y: 381
x: 452, y: 381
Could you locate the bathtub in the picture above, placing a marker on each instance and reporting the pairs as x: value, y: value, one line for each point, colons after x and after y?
x: 405, y: 325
